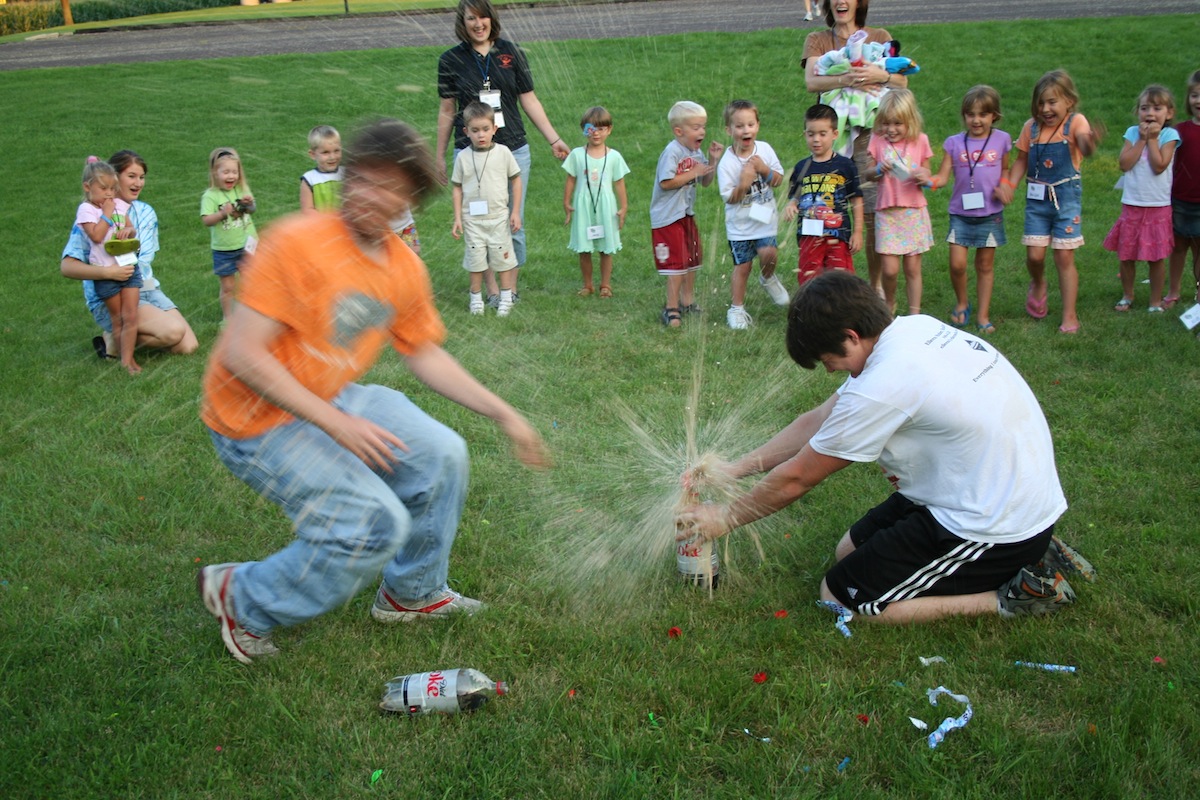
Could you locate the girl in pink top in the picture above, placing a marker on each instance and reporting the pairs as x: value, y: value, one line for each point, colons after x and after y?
x: 900, y: 155
x: 1185, y: 195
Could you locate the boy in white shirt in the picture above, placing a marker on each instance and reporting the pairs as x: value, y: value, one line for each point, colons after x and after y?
x: 747, y: 174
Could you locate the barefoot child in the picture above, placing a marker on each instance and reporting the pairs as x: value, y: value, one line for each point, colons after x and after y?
x: 594, y: 199
x: 104, y: 218
x: 900, y: 156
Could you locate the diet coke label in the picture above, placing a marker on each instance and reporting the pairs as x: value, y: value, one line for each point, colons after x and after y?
x: 697, y: 560
x: 428, y: 692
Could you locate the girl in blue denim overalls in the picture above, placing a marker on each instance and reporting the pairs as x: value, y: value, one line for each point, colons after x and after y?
x: 1049, y: 151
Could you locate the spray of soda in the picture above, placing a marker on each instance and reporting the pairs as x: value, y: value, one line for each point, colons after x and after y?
x: 696, y: 559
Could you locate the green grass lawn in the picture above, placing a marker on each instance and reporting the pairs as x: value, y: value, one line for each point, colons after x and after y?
x: 115, y: 683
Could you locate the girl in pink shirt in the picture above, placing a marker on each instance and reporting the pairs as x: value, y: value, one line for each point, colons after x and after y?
x: 900, y: 155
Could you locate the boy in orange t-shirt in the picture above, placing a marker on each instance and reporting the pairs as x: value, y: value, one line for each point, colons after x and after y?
x: 369, y: 480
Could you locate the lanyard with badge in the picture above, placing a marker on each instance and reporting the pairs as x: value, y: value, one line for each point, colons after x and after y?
x: 594, y: 231
x: 479, y: 208
x: 809, y: 226
x: 487, y: 95
x: 973, y: 200
x: 1037, y: 191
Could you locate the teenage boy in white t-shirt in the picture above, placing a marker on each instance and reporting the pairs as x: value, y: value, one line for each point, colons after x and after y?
x: 959, y: 434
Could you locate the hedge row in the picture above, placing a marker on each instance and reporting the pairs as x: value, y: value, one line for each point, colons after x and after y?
x: 36, y: 16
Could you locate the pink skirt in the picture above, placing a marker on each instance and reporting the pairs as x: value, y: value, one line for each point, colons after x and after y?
x: 1141, y: 234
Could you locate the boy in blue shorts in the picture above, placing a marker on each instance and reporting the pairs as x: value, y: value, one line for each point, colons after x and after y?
x: 824, y: 193
x: 677, y: 251
x: 747, y: 175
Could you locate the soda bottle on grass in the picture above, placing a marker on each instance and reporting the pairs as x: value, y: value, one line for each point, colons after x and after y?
x: 442, y: 691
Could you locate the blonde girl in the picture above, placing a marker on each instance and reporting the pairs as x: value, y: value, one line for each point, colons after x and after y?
x: 1185, y: 195
x: 1052, y: 145
x: 226, y: 208
x: 1143, y: 231
x: 900, y: 156
x: 595, y: 200
x: 104, y: 219
x: 977, y: 159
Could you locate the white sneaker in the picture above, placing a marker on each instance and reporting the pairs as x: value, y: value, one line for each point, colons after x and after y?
x: 441, y: 605
x: 776, y: 289
x: 738, y: 319
x: 504, y: 307
x: 476, y: 305
x: 808, y: 17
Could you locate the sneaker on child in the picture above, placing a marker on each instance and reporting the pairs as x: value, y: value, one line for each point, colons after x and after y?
x: 442, y: 605
x: 476, y: 305
x: 738, y: 319
x: 1061, y: 557
x: 776, y: 289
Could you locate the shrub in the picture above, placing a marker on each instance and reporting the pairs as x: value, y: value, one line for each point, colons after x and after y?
x: 36, y: 16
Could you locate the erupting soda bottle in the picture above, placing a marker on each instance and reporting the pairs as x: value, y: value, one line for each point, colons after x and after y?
x: 443, y: 691
x: 697, y: 562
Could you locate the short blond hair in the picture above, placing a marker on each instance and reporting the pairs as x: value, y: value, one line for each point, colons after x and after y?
x: 684, y: 110
x: 321, y: 134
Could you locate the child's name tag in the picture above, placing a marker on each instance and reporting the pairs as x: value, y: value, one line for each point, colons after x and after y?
x: 1191, y: 317
x: 762, y: 212
x: 595, y: 231
x: 1035, y: 191
x: 251, y: 245
x: 972, y: 201
x: 812, y: 227
x: 499, y: 118
x: 478, y: 208
x: 490, y: 97
x: 126, y: 259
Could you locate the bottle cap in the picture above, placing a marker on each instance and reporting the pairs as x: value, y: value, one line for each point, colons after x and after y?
x: 501, y: 688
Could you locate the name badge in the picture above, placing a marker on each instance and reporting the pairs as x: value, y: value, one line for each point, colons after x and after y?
x: 1191, y: 317
x: 499, y: 118
x: 762, y: 212
x: 812, y: 227
x: 126, y: 259
x: 478, y: 208
x: 595, y: 231
x: 1035, y: 191
x: 251, y: 245
x: 972, y: 200
x: 490, y: 97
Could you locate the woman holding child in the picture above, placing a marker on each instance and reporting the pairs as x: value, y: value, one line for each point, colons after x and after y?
x: 483, y: 67
x: 845, y: 18
x: 160, y: 324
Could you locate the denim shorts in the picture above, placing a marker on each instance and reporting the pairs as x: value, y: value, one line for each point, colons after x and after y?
x: 225, y: 262
x: 977, y: 231
x: 1185, y: 219
x: 744, y: 251
x: 153, y: 297
x: 107, y: 289
x: 1058, y: 226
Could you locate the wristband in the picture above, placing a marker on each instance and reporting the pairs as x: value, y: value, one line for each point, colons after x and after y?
x: 556, y: 141
x: 111, y: 224
x: 878, y: 170
x: 1005, y: 181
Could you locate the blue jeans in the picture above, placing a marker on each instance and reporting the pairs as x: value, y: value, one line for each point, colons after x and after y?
x: 521, y: 154
x: 350, y: 521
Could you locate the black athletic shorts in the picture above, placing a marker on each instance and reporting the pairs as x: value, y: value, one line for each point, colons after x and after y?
x: 902, y: 552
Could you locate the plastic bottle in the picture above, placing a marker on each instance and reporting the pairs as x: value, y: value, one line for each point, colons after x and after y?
x: 442, y: 691
x: 698, y: 562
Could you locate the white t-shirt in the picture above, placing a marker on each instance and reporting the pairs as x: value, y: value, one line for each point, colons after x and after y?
x: 1141, y: 187
x: 667, y: 206
x: 956, y: 429
x: 755, y: 217
x: 484, y: 176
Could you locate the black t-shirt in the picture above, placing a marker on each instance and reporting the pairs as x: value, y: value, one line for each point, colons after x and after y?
x: 462, y: 73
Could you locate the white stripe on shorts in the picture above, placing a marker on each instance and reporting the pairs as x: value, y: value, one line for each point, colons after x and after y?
x: 927, y: 576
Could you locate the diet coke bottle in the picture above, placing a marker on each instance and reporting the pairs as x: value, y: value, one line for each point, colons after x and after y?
x: 443, y: 691
x: 698, y: 563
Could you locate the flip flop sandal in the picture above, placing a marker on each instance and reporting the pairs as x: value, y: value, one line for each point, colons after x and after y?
x: 100, y: 348
x: 605, y: 292
x: 1034, y: 307
x: 1123, y: 304
x: 671, y: 317
x: 119, y: 247
x: 960, y: 319
x: 1169, y: 301
x: 985, y: 328
x: 585, y: 291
